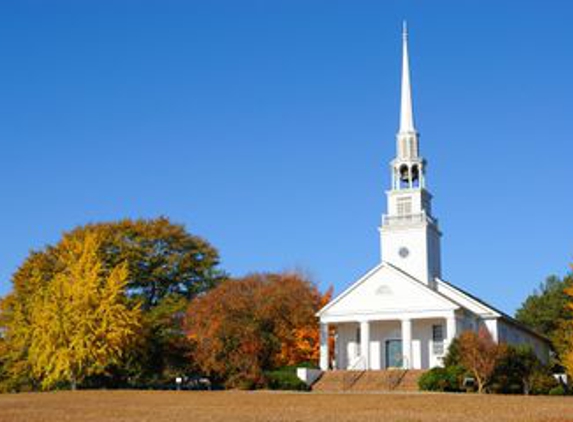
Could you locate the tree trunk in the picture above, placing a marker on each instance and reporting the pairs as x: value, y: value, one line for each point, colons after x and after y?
x: 480, y: 383
x: 526, y: 387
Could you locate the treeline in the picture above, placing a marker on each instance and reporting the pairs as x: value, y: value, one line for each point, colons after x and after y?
x: 549, y: 311
x: 140, y: 303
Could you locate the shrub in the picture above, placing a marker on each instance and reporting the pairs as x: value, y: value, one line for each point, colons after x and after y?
x: 442, y: 379
x: 558, y: 391
x: 542, y: 382
x: 515, y: 370
x: 453, y: 357
x: 285, y: 379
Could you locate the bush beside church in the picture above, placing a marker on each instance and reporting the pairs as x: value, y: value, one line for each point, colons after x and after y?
x: 514, y: 370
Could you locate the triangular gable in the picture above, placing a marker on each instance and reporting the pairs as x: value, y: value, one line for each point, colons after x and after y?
x: 387, y: 289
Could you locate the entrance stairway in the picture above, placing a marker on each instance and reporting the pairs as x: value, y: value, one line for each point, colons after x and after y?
x: 387, y: 380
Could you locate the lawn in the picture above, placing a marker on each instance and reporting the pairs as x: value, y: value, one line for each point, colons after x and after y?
x: 141, y: 406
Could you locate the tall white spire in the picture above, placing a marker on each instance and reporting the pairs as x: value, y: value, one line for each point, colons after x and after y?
x: 406, y: 114
x: 410, y: 237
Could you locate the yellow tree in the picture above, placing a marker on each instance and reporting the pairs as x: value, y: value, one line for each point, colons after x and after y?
x: 167, y: 267
x: 80, y: 322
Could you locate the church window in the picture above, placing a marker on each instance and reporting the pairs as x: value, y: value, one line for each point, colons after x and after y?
x: 404, y: 173
x: 415, y: 173
x: 438, y: 339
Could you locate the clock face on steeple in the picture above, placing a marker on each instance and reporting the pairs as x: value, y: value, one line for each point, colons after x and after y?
x: 403, y: 252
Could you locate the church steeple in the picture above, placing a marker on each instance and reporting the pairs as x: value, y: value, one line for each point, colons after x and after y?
x: 406, y: 113
x: 410, y: 237
x: 408, y: 167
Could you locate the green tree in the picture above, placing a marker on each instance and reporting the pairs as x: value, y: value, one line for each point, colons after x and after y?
x: 163, y: 258
x: 516, y: 369
x: 545, y: 310
x: 568, y: 336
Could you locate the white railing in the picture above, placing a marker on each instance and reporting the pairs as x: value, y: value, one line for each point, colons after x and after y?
x: 399, y: 220
x: 358, y: 364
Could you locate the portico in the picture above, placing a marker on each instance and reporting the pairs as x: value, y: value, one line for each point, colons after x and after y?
x: 409, y: 342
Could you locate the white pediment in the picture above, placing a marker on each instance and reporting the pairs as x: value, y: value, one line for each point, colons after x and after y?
x: 386, y: 290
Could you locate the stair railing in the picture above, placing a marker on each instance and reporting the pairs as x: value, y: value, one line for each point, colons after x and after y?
x: 397, y: 375
x: 354, y: 373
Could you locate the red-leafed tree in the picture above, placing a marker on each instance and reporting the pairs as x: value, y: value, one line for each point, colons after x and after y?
x: 260, y: 322
x: 479, y: 354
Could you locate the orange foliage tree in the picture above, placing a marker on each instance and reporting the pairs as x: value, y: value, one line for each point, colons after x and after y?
x: 253, y: 324
x: 479, y: 354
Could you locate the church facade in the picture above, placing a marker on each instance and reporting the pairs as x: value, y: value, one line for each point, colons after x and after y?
x: 402, y: 313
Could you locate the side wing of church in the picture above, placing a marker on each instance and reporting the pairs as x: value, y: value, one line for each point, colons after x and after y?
x: 402, y: 313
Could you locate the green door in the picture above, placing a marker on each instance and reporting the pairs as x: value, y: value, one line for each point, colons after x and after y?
x: 393, y: 353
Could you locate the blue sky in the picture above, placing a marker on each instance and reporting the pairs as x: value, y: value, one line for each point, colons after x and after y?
x: 267, y: 127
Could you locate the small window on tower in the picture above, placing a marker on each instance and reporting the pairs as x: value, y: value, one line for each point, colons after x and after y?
x: 404, y: 206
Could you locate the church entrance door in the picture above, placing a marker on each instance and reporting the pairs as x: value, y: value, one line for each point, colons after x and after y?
x: 393, y: 353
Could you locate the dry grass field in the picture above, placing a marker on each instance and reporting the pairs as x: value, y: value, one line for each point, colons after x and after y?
x: 141, y: 406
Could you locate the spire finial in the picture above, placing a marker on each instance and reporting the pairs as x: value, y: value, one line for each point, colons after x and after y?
x: 406, y: 114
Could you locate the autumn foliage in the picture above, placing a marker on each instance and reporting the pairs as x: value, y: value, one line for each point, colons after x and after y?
x: 246, y: 326
x: 104, y: 307
x: 76, y: 323
x: 480, y: 354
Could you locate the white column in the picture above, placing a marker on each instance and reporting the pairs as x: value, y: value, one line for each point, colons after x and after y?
x: 407, y: 343
x: 410, y: 181
x: 365, y: 343
x: 451, y: 331
x: 324, y: 346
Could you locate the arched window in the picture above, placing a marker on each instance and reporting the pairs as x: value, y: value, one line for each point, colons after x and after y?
x: 404, y: 173
x: 415, y: 176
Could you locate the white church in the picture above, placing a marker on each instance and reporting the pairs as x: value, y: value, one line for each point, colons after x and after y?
x: 402, y: 313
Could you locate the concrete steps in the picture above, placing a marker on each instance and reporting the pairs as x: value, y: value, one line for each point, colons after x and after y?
x: 388, y: 380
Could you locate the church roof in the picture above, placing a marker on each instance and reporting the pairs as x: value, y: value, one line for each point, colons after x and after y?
x: 416, y: 295
x: 499, y: 314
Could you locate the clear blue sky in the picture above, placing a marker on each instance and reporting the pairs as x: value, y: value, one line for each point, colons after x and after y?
x: 267, y: 127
